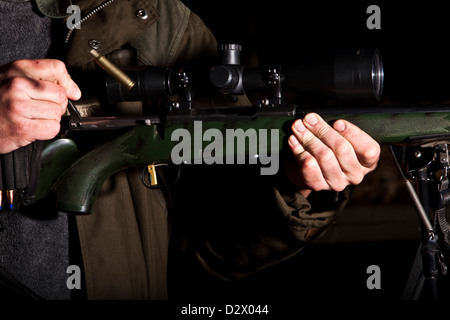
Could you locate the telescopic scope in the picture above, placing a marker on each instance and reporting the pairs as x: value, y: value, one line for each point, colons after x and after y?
x: 343, y: 75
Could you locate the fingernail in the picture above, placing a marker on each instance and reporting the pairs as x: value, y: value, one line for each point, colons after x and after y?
x: 299, y: 126
x: 311, y: 119
x: 76, y: 92
x: 293, y: 141
x: 339, y: 125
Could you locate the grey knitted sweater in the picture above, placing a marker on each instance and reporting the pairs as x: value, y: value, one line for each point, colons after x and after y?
x: 33, y: 248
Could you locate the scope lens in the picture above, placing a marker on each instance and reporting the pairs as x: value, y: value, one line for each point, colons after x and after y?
x: 377, y: 75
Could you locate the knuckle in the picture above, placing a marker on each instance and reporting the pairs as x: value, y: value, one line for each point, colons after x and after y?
x: 308, y: 164
x: 18, y: 84
x: 317, y: 187
x: 326, y: 156
x: 343, y: 148
x: 14, y: 109
x: 372, y: 154
x: 58, y: 110
x: 20, y: 64
x: 316, y: 184
x: 21, y: 129
x: 357, y: 177
x: 59, y: 95
x: 53, y: 129
x: 58, y: 66
x: 338, y: 186
x: 311, y: 175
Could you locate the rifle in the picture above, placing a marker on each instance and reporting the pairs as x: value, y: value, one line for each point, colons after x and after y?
x: 75, y: 177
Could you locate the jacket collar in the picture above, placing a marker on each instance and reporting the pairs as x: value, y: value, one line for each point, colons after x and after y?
x: 54, y: 8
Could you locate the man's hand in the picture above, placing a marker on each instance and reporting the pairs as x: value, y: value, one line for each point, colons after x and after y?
x: 33, y: 97
x: 329, y: 158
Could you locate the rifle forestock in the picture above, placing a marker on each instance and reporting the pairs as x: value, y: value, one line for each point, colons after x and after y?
x: 397, y: 124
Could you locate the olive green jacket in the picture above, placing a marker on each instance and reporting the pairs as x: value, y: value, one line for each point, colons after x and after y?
x: 125, y: 241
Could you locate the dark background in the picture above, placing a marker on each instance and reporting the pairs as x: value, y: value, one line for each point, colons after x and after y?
x: 412, y: 38
x: 380, y: 226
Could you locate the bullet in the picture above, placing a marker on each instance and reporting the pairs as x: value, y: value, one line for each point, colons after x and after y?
x: 112, y: 70
x: 10, y: 198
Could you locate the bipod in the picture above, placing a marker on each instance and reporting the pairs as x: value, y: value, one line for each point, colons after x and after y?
x: 429, y: 167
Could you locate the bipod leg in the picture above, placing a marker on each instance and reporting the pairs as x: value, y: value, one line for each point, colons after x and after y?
x: 430, y: 263
x: 415, y: 281
x: 422, y: 278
